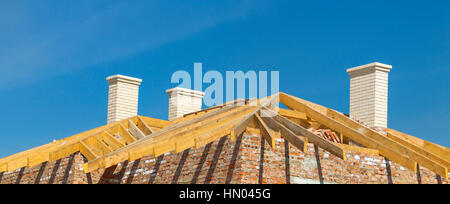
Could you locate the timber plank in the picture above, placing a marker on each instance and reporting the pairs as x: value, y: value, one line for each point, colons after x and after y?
x: 265, y: 132
x: 363, y: 135
x: 87, y: 151
x: 298, y: 141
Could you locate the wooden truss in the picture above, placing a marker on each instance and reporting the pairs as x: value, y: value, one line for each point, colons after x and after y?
x: 140, y: 136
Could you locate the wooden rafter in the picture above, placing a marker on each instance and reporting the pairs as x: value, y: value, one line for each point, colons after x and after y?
x: 181, y: 141
x: 265, y: 132
x: 146, y: 129
x: 211, y: 136
x: 428, y: 146
x: 357, y: 149
x: 178, y: 136
x: 101, y: 145
x: 363, y: 135
x: 257, y: 131
x: 140, y: 136
x: 189, y: 139
x: 292, y: 114
x: 239, y: 128
x: 110, y: 140
x: 87, y: 151
x: 167, y: 139
x: 298, y: 141
x: 64, y: 151
x: 190, y: 116
x: 313, y: 138
x: 135, y: 131
x: 98, y: 140
x: 434, y: 152
x: 153, y: 122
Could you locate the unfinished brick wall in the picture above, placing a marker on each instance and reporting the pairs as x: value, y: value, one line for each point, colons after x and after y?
x: 319, y: 166
x: 59, y: 172
x: 216, y: 162
x: 249, y: 159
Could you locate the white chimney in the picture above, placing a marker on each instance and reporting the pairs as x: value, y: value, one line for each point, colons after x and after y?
x: 183, y: 101
x: 123, y: 97
x: 369, y: 93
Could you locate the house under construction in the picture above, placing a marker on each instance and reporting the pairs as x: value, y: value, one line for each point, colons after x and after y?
x: 242, y: 141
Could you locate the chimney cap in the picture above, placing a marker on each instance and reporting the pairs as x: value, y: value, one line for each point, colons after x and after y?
x: 185, y: 91
x: 122, y: 78
x: 371, y: 66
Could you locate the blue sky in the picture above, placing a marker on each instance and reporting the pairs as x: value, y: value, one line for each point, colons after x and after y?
x: 55, y: 56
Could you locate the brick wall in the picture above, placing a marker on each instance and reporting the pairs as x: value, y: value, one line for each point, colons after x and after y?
x: 249, y: 159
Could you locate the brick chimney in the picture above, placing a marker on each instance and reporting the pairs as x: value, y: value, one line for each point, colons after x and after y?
x: 183, y: 101
x: 123, y: 97
x: 369, y: 94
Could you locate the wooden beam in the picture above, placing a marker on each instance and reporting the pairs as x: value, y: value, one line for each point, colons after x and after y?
x: 111, y: 141
x: 87, y: 151
x: 179, y: 142
x: 171, y: 142
x: 318, y: 114
x: 257, y: 131
x: 3, y: 167
x: 17, y: 163
x: 423, y: 160
x: 219, y: 132
x: 155, y: 122
x: 105, y: 149
x: 292, y: 114
x: 126, y: 135
x: 113, y: 158
x: 210, y: 109
x: 365, y: 136
x: 436, y: 149
x: 93, y: 144
x: 358, y: 150
x: 215, y: 120
x: 67, y: 149
x: 296, y: 140
x: 37, y: 158
x: 189, y: 116
x: 147, y: 130
x: 41, y: 154
x: 265, y: 131
x: 183, y: 126
x: 136, y: 153
x: 64, y: 151
x: 148, y: 145
x: 157, y: 142
x: 314, y: 125
x: 441, y: 160
x: 240, y: 127
x: 187, y: 140
x: 313, y: 138
x: 188, y: 129
x: 135, y: 131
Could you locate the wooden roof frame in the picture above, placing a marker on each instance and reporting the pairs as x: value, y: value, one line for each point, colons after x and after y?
x: 140, y: 136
